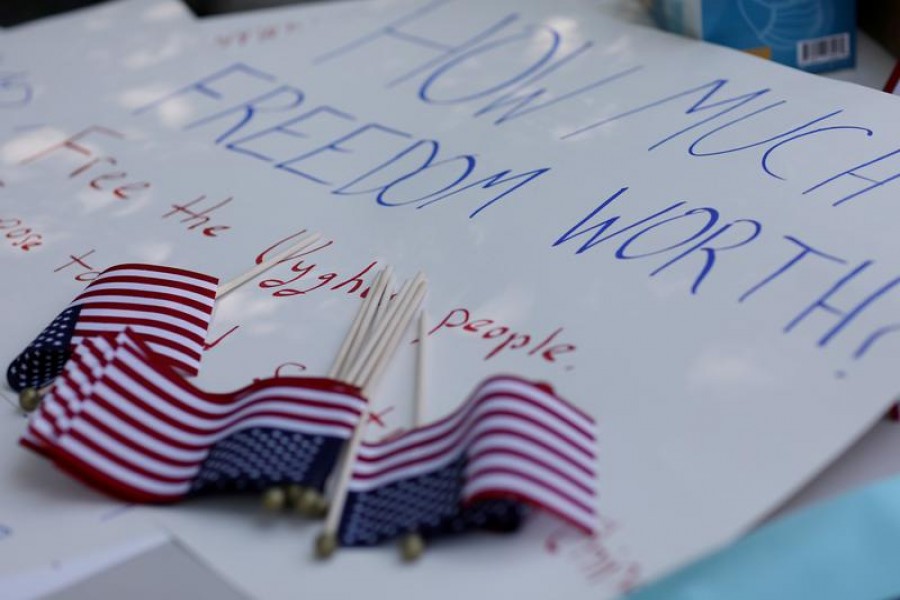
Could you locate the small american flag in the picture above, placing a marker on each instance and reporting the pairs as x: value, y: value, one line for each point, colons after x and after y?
x: 145, y: 434
x: 171, y: 308
x: 512, y: 444
x: 64, y: 398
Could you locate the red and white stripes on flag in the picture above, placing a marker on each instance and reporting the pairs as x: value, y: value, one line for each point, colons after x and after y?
x: 142, y: 432
x: 70, y: 389
x: 520, y: 440
x: 170, y: 308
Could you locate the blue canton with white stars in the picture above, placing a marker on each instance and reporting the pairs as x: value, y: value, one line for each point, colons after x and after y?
x: 429, y: 504
x: 44, y: 358
x: 257, y: 458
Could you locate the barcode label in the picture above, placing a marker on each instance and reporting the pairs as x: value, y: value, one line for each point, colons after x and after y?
x: 823, y: 49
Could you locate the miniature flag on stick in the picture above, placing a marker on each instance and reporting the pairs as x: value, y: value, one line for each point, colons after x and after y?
x: 378, y: 331
x: 307, y: 501
x: 145, y: 434
x: 512, y: 442
x: 65, y: 396
x: 171, y: 308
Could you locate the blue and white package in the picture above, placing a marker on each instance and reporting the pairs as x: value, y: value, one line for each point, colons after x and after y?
x: 813, y: 35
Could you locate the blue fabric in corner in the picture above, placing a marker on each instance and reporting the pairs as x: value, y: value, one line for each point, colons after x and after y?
x: 843, y: 549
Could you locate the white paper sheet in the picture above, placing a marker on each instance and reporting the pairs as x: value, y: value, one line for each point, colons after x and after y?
x: 166, y: 571
x: 703, y: 398
x: 60, y: 574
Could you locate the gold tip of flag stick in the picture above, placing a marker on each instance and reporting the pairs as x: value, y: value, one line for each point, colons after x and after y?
x: 311, y: 504
x: 306, y: 501
x: 274, y: 499
x: 412, y: 546
x: 326, y: 544
x: 321, y: 507
x: 29, y: 399
x: 294, y: 492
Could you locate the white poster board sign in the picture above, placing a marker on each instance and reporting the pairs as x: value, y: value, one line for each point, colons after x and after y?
x: 42, y: 62
x: 693, y: 245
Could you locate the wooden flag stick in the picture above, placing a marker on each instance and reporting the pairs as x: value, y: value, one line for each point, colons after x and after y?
x: 388, y: 320
x: 341, y: 357
x: 308, y: 501
x: 379, y: 340
x: 381, y: 306
x: 358, y: 332
x: 412, y: 545
x: 421, y: 357
x: 229, y: 286
x: 370, y: 340
x: 372, y: 375
x: 327, y: 541
x: 379, y: 299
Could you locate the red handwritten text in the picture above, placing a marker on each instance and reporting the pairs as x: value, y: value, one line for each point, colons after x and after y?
x: 502, y: 338
x: 304, y: 277
x: 102, y: 173
x: 595, y: 557
x: 199, y: 216
x: 84, y: 271
x: 265, y: 33
x: 115, y: 181
x: 19, y: 235
x: 209, y: 345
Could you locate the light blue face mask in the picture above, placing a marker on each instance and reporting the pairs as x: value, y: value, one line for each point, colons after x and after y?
x: 780, y: 23
x: 842, y: 549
